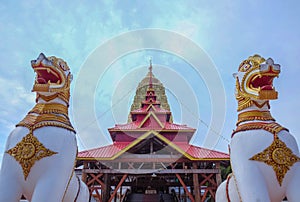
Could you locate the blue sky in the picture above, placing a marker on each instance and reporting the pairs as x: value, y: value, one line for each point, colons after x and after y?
x: 228, y: 31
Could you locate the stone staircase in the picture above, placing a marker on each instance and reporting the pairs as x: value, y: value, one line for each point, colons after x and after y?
x: 149, y: 198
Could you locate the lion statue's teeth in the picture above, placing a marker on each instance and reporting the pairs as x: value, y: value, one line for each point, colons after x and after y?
x: 254, y: 81
x: 52, y: 76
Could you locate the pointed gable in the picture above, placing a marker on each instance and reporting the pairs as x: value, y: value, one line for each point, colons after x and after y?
x: 151, y: 121
x: 150, y: 108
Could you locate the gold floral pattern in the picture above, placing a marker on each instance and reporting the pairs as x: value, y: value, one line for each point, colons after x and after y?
x: 28, y: 151
x: 279, y: 156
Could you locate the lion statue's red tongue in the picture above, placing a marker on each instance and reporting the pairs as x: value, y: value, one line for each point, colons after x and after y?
x: 267, y: 87
x: 41, y: 80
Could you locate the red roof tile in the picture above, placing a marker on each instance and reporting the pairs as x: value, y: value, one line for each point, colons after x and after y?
x: 127, y: 126
x: 103, y: 152
x: 167, y: 126
x: 110, y: 151
x: 200, y: 152
x: 173, y: 126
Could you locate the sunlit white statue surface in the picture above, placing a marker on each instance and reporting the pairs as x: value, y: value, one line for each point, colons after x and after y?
x: 264, y: 155
x: 40, y: 152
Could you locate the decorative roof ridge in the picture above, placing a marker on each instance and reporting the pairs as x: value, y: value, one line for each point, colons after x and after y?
x: 148, y: 116
x: 175, y: 145
x: 177, y: 124
x: 123, y: 124
x: 158, y: 111
x: 146, y: 102
x: 151, y: 106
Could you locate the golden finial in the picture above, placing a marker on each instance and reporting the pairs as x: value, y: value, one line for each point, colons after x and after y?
x: 150, y: 71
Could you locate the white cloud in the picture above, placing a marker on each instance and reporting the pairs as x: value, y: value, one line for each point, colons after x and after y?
x: 228, y: 31
x: 14, y: 97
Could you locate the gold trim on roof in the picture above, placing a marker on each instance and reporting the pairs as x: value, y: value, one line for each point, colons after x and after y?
x: 28, y: 151
x: 144, y: 136
x: 137, y: 130
x: 150, y: 106
x: 147, y: 117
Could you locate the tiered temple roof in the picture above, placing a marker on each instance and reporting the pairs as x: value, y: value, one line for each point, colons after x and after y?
x: 149, y: 120
x: 151, y: 154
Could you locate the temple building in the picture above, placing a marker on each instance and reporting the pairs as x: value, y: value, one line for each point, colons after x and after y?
x: 151, y: 158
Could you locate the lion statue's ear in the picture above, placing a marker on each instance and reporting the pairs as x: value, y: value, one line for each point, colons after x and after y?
x: 237, y: 86
x: 71, y: 77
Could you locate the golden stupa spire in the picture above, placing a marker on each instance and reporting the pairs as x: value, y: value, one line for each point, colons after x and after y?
x: 148, y: 82
x: 150, y: 72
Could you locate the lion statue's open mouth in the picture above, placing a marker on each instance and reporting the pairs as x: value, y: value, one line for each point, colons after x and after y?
x: 51, y: 74
x: 262, y: 81
x: 46, y: 75
x: 254, y: 80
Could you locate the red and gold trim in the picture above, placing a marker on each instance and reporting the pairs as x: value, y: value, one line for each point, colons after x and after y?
x: 47, y: 114
x: 64, y: 95
x: 50, y: 108
x: 254, y: 115
x: 227, y: 187
x: 273, y: 128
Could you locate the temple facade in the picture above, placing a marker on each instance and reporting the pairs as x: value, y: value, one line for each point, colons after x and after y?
x: 151, y: 158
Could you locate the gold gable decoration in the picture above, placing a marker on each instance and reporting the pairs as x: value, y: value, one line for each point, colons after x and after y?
x: 141, y: 93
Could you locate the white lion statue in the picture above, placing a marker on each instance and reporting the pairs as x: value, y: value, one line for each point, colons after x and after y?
x: 41, y: 151
x: 264, y: 155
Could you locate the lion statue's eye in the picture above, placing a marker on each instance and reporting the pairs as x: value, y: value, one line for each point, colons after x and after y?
x: 245, y: 66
